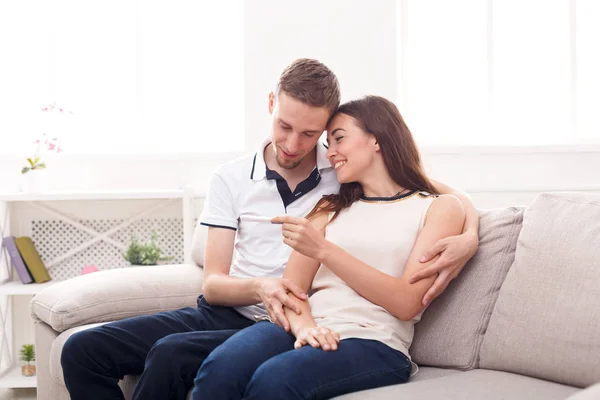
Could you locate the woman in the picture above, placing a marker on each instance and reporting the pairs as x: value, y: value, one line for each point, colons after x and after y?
x: 356, y: 251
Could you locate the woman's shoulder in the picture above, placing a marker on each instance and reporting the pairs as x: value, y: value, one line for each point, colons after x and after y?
x: 447, y: 204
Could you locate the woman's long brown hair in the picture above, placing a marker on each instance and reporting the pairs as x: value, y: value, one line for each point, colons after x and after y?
x: 380, y: 117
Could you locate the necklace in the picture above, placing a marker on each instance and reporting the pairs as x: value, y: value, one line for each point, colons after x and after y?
x: 401, y: 195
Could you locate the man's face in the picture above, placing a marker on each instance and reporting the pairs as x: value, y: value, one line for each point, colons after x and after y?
x: 296, y: 129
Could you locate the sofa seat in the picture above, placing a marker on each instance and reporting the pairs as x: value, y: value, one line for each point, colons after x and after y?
x: 129, y: 383
x: 476, y: 384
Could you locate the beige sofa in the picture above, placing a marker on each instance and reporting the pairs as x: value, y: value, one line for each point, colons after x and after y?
x: 522, y: 321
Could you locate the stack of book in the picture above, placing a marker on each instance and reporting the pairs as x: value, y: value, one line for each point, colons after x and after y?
x: 26, y: 259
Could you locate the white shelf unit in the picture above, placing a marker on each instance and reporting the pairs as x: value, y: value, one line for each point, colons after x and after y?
x: 11, y: 377
x: 12, y: 288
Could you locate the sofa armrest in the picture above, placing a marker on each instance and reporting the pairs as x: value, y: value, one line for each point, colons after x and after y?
x: 589, y: 393
x: 117, y: 294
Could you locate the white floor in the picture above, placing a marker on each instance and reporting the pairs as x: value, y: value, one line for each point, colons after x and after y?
x: 17, y: 394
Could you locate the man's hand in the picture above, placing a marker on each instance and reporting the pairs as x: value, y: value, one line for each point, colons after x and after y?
x: 454, y: 253
x: 317, y: 337
x: 274, y: 294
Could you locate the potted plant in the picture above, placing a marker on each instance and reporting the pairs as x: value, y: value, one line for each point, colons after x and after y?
x: 28, y: 357
x: 144, y: 253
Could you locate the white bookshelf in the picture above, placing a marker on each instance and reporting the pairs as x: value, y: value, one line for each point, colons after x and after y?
x: 185, y: 194
x: 97, y: 195
x: 13, y: 326
x: 13, y: 288
x: 13, y: 379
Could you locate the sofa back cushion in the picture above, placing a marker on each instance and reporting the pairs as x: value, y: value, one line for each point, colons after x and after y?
x: 199, y: 244
x: 451, y: 329
x: 546, y: 322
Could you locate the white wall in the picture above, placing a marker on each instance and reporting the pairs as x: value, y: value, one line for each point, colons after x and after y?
x: 357, y: 39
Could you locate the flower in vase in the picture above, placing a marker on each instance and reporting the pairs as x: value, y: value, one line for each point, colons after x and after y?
x: 45, y: 144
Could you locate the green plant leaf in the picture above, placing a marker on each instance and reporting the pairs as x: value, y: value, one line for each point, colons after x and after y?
x: 27, y: 353
x: 144, y: 253
x: 41, y: 165
x: 25, y: 169
x: 31, y: 162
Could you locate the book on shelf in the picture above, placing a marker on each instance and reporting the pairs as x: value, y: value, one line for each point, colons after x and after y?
x: 32, y: 259
x: 17, y: 261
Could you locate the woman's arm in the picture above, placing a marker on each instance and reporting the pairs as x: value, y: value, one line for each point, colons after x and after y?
x: 445, y: 217
x: 301, y: 270
x: 471, y: 216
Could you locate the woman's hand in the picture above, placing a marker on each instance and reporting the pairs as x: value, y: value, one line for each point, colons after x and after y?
x: 301, y: 235
x: 317, y: 337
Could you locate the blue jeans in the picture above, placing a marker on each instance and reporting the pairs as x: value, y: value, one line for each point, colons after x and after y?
x: 165, y: 348
x: 260, y: 362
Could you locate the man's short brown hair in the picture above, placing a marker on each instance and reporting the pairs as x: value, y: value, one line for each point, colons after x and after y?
x: 311, y: 82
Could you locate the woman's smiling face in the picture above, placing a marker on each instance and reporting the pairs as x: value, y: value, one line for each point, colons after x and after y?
x: 351, y: 149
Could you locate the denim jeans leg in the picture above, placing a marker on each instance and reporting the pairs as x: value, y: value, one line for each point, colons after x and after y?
x: 311, y: 373
x: 95, y: 359
x: 228, y: 369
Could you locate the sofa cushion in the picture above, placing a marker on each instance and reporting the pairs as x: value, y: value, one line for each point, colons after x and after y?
x: 475, y: 384
x: 590, y: 393
x: 199, y: 244
x: 129, y: 383
x: 432, y: 372
x: 546, y: 322
x: 451, y: 330
x: 117, y: 294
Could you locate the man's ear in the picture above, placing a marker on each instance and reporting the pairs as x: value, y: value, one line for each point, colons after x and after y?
x: 271, y: 102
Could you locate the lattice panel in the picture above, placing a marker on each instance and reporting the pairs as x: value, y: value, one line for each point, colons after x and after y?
x: 54, y: 238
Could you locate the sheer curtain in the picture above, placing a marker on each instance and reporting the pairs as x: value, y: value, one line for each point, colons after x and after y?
x: 130, y: 76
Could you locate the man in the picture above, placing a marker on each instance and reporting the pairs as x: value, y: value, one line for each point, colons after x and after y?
x: 245, y: 256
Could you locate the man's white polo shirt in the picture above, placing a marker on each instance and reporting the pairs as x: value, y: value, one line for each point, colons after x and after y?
x: 245, y: 188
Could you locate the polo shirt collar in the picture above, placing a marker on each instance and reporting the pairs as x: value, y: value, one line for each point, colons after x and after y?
x: 259, y: 167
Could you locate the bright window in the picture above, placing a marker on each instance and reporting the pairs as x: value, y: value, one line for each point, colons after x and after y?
x: 499, y: 72
x: 143, y: 76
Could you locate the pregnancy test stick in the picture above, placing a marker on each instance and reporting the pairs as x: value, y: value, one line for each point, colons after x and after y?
x: 256, y: 218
